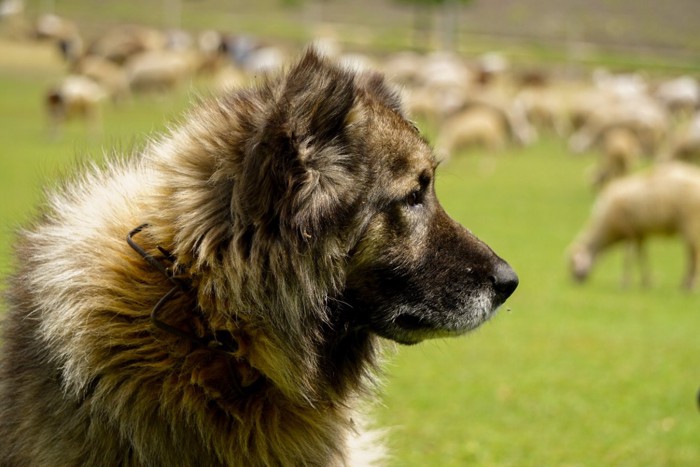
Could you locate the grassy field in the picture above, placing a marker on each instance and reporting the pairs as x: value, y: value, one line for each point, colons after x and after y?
x: 565, y: 375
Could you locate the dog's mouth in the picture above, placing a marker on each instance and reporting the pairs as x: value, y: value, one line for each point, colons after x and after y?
x: 409, y: 329
x: 411, y: 323
x: 414, y: 327
x: 410, y: 308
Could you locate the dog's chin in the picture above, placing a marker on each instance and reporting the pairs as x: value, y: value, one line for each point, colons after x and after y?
x: 410, y: 328
x: 414, y: 336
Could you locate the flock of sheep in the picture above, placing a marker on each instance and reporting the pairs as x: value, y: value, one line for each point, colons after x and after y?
x: 627, y: 120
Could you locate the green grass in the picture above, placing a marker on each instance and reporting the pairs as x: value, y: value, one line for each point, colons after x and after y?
x: 565, y: 375
x: 572, y: 375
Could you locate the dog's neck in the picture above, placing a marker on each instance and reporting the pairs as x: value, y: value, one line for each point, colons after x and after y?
x: 215, y: 340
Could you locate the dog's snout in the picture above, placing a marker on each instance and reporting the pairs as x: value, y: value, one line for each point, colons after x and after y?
x: 505, y: 280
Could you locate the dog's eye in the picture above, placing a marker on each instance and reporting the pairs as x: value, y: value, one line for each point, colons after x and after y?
x: 414, y: 198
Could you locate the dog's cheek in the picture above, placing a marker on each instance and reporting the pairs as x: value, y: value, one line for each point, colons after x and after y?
x: 381, y: 266
x: 382, y: 244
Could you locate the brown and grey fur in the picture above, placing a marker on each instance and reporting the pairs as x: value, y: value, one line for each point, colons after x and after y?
x: 304, y: 215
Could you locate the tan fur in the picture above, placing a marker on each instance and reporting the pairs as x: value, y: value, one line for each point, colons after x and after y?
x: 278, y: 205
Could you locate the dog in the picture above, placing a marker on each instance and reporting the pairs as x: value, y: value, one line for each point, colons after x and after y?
x: 223, y: 297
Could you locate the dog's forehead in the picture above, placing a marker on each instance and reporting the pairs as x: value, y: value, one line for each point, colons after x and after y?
x: 407, y: 155
x: 400, y: 155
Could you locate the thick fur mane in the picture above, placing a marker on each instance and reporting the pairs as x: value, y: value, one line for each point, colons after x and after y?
x: 221, y: 298
x: 253, y: 197
x: 279, y: 211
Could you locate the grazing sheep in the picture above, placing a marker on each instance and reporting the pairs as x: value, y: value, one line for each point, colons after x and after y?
x: 122, y: 42
x: 620, y: 152
x: 544, y: 108
x: 645, y: 117
x: 13, y: 20
x: 685, y: 145
x: 75, y: 97
x: 679, y: 95
x: 264, y: 60
x: 475, y: 126
x: 433, y: 104
x: 404, y: 68
x: 490, y: 121
x: 61, y: 31
x: 105, y: 72
x: 160, y: 70
x: 665, y: 200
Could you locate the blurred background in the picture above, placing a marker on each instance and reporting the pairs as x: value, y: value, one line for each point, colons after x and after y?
x: 536, y: 107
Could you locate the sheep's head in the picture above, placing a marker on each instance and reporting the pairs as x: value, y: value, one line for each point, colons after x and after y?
x: 581, y: 262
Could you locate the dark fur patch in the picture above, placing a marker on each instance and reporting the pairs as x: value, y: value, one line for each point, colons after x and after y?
x: 303, y: 214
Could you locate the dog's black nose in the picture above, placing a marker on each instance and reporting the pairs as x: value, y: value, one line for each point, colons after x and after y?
x: 505, y: 280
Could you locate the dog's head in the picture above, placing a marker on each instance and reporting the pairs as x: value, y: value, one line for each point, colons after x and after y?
x: 343, y: 170
x: 306, y: 209
x: 415, y: 273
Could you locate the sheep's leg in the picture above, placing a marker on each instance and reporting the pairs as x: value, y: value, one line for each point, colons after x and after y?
x: 643, y: 260
x: 635, y: 252
x: 627, y: 260
x: 56, y: 120
x: 693, y: 262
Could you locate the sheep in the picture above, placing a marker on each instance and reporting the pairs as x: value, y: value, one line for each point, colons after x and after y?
x: 75, y: 97
x: 122, y: 42
x: 264, y: 60
x: 474, y: 126
x: 620, y: 151
x: 664, y: 200
x: 557, y: 106
x: 404, y: 68
x: 543, y: 108
x: 161, y: 70
x: 443, y: 70
x: 13, y: 20
x: 61, y: 31
x: 490, y: 120
x: 685, y: 145
x: 679, y: 95
x: 645, y: 117
x: 433, y: 104
x: 105, y: 72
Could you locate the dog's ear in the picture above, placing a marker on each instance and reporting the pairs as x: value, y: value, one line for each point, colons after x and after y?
x: 297, y: 168
x: 316, y: 99
x: 374, y: 84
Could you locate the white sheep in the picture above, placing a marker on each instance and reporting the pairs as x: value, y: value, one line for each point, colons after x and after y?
x: 474, y: 126
x: 108, y: 74
x: 645, y: 117
x: 161, y: 70
x: 681, y: 95
x: 123, y: 42
x: 75, y: 97
x: 664, y: 200
x: 61, y: 31
x: 620, y: 152
x: 685, y: 143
